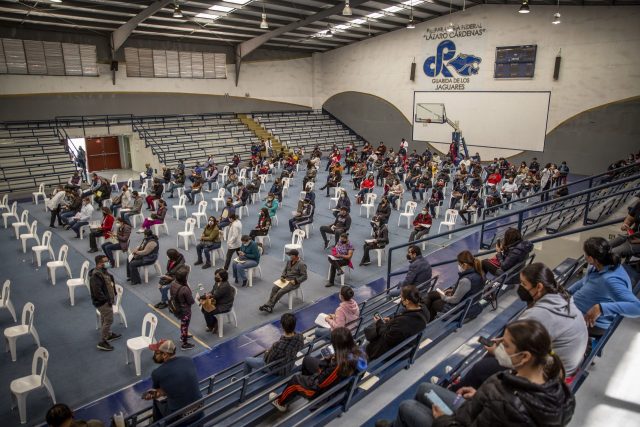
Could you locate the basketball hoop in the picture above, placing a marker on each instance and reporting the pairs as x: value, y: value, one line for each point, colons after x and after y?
x: 428, y: 120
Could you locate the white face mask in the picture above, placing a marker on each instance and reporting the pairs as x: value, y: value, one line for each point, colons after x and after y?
x: 460, y: 268
x: 504, y: 358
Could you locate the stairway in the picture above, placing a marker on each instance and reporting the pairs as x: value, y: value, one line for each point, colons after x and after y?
x: 261, y: 132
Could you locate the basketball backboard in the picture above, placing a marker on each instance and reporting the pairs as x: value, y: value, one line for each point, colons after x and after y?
x: 430, y: 113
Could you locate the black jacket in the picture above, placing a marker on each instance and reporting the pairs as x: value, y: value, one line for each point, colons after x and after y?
x: 383, y: 336
x: 508, y: 400
x: 181, y: 294
x: 512, y: 256
x: 224, y: 296
x: 98, y: 282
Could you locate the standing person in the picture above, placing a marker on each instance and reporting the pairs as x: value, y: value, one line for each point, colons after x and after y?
x: 234, y: 242
x: 123, y: 232
x: 175, y: 260
x: 103, y: 296
x: 104, y: 230
x: 218, y: 301
x: 545, y: 181
x: 145, y: 254
x: 53, y: 204
x: 294, y: 273
x: 341, y: 255
x: 285, y: 349
x: 176, y: 379
x: 81, y: 161
x: 248, y: 257
x: 209, y: 241
x: 183, y: 300
x: 379, y: 241
x: 340, y: 225
x: 348, y: 311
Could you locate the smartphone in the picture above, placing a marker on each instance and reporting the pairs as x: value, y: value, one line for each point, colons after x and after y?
x: 435, y: 400
x: 485, y: 341
x: 327, y: 352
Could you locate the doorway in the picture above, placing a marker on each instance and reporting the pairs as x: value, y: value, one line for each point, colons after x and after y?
x: 103, y: 153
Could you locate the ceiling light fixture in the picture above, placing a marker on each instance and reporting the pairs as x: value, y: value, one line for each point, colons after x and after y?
x: 411, y: 25
x: 369, y: 22
x: 556, y: 16
x: 450, y: 27
x: 347, y: 9
x: 177, y: 13
x: 56, y: 1
x: 263, y: 24
x: 525, y: 7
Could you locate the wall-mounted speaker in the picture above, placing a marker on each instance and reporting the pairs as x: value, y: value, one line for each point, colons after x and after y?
x: 556, y: 68
x: 114, y: 65
x: 412, y: 76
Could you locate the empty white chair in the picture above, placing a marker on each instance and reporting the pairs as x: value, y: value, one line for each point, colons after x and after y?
x: 369, y: 203
x: 220, y: 199
x: 83, y: 280
x: 12, y: 333
x: 32, y: 234
x: 130, y: 183
x: 227, y: 316
x: 187, y: 234
x: 222, y: 176
x: 4, y: 202
x: 242, y: 175
x: 145, y: 269
x: 409, y: 212
x: 450, y: 218
x: 11, y: 213
x: 5, y: 299
x: 39, y: 193
x: 117, y: 308
x: 24, y: 222
x: 286, y: 183
x: 336, y: 195
x: 138, y: 344
x: 201, y: 212
x: 181, y: 206
x: 156, y: 228
x: 45, y: 245
x: 296, y: 243
x: 21, y: 387
x: 114, y: 182
x: 52, y: 266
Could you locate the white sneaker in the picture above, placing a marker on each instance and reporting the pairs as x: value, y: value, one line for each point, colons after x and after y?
x: 273, y: 396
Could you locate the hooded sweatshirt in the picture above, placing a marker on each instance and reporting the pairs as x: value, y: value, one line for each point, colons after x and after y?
x: 565, y: 325
x: 347, y: 312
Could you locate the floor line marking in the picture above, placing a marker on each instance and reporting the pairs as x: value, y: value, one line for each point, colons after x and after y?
x: 177, y: 325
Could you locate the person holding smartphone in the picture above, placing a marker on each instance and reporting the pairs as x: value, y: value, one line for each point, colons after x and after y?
x: 531, y: 392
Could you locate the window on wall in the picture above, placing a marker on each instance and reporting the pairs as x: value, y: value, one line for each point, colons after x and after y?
x: 173, y: 64
x: 47, y: 58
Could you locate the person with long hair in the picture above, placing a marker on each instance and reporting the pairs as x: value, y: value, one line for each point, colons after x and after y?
x: 123, y: 232
x: 510, y: 251
x: 319, y: 375
x: 210, y: 240
x: 175, y: 260
x: 531, y: 391
x: 263, y: 226
x: 470, y: 282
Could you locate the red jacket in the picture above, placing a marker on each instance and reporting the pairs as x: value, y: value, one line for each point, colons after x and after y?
x: 494, y: 179
x: 422, y: 220
x: 367, y: 183
x: 107, y: 224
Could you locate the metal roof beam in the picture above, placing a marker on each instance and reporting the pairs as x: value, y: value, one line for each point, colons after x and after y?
x: 119, y: 36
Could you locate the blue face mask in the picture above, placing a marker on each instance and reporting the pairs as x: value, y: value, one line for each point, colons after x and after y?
x: 107, y: 265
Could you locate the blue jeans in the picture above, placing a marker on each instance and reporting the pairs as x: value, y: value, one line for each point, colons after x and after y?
x: 322, y: 332
x: 108, y: 249
x: 239, y: 270
x: 75, y: 226
x: 66, y: 216
x: 207, y: 248
x: 164, y: 293
x: 253, y: 363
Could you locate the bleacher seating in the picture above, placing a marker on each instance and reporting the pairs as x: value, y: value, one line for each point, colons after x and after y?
x: 31, y: 156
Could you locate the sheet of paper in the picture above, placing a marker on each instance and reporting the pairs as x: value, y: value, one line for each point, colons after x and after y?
x: 320, y: 321
x: 281, y: 283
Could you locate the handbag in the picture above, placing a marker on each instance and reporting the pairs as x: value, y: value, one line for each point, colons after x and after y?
x: 208, y: 305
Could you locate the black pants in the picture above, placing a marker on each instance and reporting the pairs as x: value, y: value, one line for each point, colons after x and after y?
x: 489, y: 267
x: 132, y: 269
x: 211, y: 319
x: 253, y: 233
x: 93, y: 236
x: 335, y: 264
x: 230, y: 253
x: 479, y: 373
x: 55, y: 213
x: 365, y: 251
x: 434, y: 303
x: 327, y: 229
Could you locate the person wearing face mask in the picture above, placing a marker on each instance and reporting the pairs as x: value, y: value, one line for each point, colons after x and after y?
x: 470, y: 282
x: 293, y: 274
x: 419, y: 268
x: 182, y: 300
x: 220, y: 300
x: 303, y: 216
x: 145, y: 254
x: 385, y: 333
x: 551, y: 305
x: 209, y: 241
x: 248, y: 257
x: 343, y: 202
x: 271, y: 204
x: 123, y: 232
x: 103, y: 231
x: 227, y: 211
x: 531, y: 392
x: 341, y: 255
x: 234, y: 241
x: 263, y: 226
x: 176, y: 379
x: 103, y: 296
x: 81, y: 218
x: 379, y: 241
x: 383, y: 211
x: 340, y: 225
x: 421, y: 225
x: 175, y: 260
x: 345, y: 316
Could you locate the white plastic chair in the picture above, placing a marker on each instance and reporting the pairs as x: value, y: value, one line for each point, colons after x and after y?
x: 261, y: 239
x: 11, y: 213
x: 145, y: 268
x: 39, y: 193
x: 293, y: 294
x: 130, y: 183
x: 242, y: 175
x: 450, y: 218
x: 222, y: 176
x: 380, y: 252
x: 117, y: 308
x: 409, y: 212
x: 345, y: 269
x: 336, y: 196
x: 134, y: 219
x: 188, y: 233
x: 369, y: 203
x: 24, y: 222
x: 227, y: 316
x: 5, y: 301
x: 220, y: 199
x: 296, y: 243
x: 32, y: 234
x: 181, y: 206
x: 45, y: 245
x: 143, y: 190
x: 257, y: 269
x: 156, y: 228
x: 201, y: 212
x: 138, y: 344
x: 12, y: 333
x: 83, y: 280
x: 114, y: 182
x: 52, y: 266
x: 286, y: 183
x: 21, y: 387
x: 4, y: 202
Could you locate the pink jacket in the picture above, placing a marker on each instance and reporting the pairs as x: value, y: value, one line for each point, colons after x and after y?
x: 347, y: 312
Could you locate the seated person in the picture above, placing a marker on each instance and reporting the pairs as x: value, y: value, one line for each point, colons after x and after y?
x: 303, y: 216
x: 71, y: 205
x: 343, y: 202
x: 248, y: 257
x: 121, y: 200
x: 395, y: 193
x: 196, y: 188
x: 81, y: 218
x: 470, y: 282
x: 422, y: 183
x: 263, y: 226
x: 276, y: 190
x: 60, y: 415
x: 102, y: 190
x: 210, y: 240
x: 509, y: 189
x: 473, y: 204
x: 366, y: 186
x: 421, y: 225
x: 103, y: 231
x: 284, y: 350
x: 345, y: 316
x: 241, y: 196
x: 156, y: 217
x: 218, y: 301
x: 271, y: 204
x: 459, y: 192
x: 254, y: 186
x: 383, y: 211
x: 627, y: 244
x: 511, y: 251
x: 134, y: 209
x: 213, y: 177
x: 419, y: 271
x: 333, y: 180
x: 75, y: 180
x: 318, y: 375
x: 309, y: 195
x: 154, y: 194
x: 175, y: 260
x: 147, y: 174
x: 226, y: 213
x: 385, y: 333
x: 340, y: 225
x: 341, y: 255
x: 123, y: 232
x: 379, y: 240
x: 562, y: 191
x: 294, y: 273
x: 177, y: 182
x: 145, y: 254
